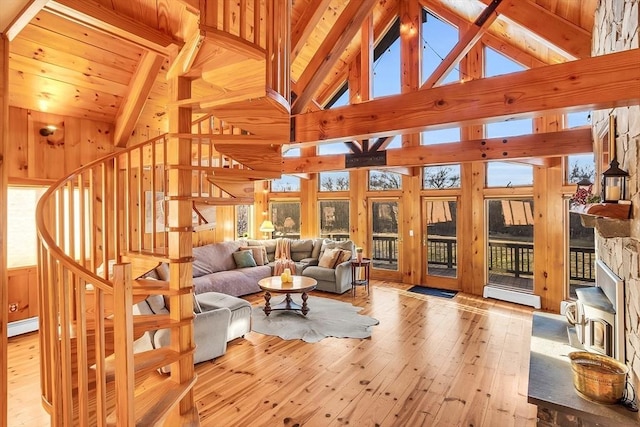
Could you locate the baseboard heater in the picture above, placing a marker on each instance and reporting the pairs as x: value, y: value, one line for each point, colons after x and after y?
x: 20, y: 327
x: 511, y: 296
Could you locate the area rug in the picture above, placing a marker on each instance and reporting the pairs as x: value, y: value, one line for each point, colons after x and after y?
x: 435, y: 292
x: 326, y: 318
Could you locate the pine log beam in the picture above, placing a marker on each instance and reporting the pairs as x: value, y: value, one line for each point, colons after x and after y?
x: 132, y: 105
x: 305, y: 24
x: 540, y: 145
x: 100, y: 18
x: 464, y: 45
x: 593, y: 83
x: 344, y: 30
x: 560, y: 32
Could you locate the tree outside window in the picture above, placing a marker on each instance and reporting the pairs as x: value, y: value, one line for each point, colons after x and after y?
x: 286, y: 219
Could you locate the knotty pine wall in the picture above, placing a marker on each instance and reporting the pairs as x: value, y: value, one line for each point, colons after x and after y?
x: 32, y: 157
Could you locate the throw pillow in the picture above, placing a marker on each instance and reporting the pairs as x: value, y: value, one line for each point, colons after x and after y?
x: 244, y: 259
x: 329, y: 257
x: 346, y: 256
x: 258, y: 253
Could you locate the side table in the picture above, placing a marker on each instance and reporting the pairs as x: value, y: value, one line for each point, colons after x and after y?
x: 360, y: 280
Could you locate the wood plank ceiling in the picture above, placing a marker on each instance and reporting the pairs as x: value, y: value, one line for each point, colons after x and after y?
x: 66, y: 62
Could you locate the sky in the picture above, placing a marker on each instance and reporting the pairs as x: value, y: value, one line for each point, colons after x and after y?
x: 438, y: 39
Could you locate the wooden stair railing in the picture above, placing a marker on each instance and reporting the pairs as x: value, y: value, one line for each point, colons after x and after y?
x: 98, y: 228
x: 105, y: 224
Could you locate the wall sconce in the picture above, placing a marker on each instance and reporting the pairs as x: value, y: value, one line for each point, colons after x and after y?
x: 47, y: 130
x: 614, y: 183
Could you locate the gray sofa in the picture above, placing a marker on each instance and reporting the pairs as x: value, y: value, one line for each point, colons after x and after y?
x: 215, y: 269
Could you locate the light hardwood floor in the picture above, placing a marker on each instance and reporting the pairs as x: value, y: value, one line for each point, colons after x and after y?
x: 430, y: 362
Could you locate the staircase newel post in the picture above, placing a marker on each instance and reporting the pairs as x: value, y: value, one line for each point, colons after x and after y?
x: 123, y: 343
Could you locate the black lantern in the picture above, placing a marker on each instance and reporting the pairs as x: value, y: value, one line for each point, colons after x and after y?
x: 614, y: 183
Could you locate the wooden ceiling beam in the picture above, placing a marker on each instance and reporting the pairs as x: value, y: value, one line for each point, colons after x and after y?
x: 551, y: 144
x: 465, y: 44
x: 565, y: 35
x: 139, y: 89
x: 97, y: 17
x: 22, y: 18
x: 342, y: 33
x: 305, y: 24
x: 593, y: 83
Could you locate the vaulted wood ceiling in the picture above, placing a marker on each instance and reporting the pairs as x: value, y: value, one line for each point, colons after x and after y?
x: 82, y: 58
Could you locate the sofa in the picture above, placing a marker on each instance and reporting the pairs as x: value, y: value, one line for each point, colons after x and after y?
x: 218, y: 319
x: 217, y: 267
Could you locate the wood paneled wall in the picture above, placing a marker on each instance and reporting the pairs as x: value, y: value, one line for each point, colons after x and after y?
x: 4, y: 145
x: 32, y: 156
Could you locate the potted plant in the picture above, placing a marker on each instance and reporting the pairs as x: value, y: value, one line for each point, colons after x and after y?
x: 359, y: 253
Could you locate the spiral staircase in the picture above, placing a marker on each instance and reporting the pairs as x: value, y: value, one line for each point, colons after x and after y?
x: 106, y: 224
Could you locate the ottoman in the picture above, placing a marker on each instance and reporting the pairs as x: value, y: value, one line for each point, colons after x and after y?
x: 240, y: 322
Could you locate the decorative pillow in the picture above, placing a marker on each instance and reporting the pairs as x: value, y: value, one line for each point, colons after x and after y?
x: 259, y: 253
x: 329, y: 258
x: 163, y: 271
x: 345, y: 256
x: 244, y: 259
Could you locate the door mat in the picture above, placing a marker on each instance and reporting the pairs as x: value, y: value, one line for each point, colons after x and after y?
x: 435, y: 292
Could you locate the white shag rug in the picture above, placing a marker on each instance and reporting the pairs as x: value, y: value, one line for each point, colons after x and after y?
x: 326, y: 318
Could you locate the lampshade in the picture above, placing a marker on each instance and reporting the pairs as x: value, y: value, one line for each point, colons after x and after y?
x: 267, y: 227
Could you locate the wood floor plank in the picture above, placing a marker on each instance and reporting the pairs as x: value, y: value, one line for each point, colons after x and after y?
x: 430, y: 361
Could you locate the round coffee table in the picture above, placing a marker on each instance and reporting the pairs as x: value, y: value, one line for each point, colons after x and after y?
x: 300, y: 284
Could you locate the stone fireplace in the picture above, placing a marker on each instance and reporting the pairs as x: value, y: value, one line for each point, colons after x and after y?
x: 616, y: 29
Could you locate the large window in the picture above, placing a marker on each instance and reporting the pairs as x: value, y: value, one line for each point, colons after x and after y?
x: 333, y: 181
x: 286, y: 219
x: 437, y: 177
x: 510, y: 244
x: 505, y: 174
x: 334, y: 219
x: 386, y: 68
x: 438, y: 39
x: 21, y: 225
x: 243, y: 220
x: 383, y: 180
x: 285, y: 184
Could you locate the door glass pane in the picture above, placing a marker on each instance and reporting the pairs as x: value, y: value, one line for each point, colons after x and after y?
x: 510, y: 245
x: 334, y: 219
x: 441, y: 238
x: 385, y: 234
x: 286, y: 219
x: 582, y: 255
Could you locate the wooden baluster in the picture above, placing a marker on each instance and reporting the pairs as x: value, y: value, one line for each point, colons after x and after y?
x: 123, y: 343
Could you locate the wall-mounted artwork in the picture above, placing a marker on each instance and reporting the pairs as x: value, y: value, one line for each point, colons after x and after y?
x: 154, y: 207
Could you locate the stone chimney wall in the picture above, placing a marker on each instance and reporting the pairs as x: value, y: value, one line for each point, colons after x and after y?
x: 616, y: 29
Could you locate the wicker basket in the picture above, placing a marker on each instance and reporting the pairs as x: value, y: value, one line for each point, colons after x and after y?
x: 598, y: 378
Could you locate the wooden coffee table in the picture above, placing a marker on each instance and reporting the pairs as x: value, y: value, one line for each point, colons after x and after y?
x: 300, y: 284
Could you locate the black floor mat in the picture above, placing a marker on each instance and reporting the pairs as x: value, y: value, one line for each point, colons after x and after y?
x: 443, y: 293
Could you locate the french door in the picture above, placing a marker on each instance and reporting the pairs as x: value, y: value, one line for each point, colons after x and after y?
x: 385, y: 238
x: 440, y: 243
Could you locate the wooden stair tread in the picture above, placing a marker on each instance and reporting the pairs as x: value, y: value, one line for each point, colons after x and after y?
x: 244, y: 174
x: 145, y: 361
x: 224, y: 201
x: 153, y: 405
x: 143, y: 323
x: 233, y: 187
x: 144, y: 286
